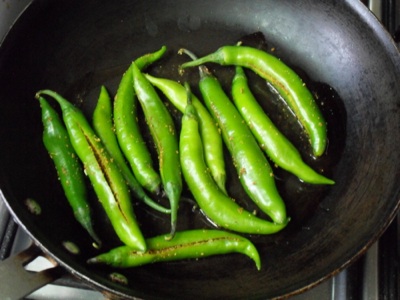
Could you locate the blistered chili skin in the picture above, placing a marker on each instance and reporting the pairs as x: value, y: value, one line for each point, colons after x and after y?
x: 68, y: 166
x: 190, y: 244
x: 216, y: 205
x: 278, y: 148
x: 212, y: 140
x: 107, y: 181
x: 252, y: 167
x: 286, y: 82
x: 103, y: 126
x: 162, y: 129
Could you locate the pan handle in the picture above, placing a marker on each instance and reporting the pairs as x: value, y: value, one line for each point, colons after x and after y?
x: 16, y: 282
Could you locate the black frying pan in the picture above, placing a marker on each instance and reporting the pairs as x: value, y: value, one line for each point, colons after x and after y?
x: 342, y: 50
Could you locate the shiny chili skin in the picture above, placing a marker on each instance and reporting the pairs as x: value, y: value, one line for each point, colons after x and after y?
x: 217, y: 206
x: 284, y: 80
x: 127, y: 128
x: 278, y: 148
x: 212, y: 140
x: 103, y: 126
x: 162, y: 129
x: 104, y: 174
x: 70, y: 172
x: 252, y: 167
x: 189, y: 244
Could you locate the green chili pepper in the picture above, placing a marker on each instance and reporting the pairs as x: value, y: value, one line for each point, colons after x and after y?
x: 162, y: 129
x: 190, y: 244
x: 284, y: 80
x: 212, y: 141
x: 280, y: 150
x: 103, y: 126
x: 218, y: 207
x: 127, y: 128
x: 253, y: 168
x: 68, y: 166
x: 104, y: 174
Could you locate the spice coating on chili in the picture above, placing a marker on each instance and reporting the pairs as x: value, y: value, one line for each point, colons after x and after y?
x: 103, y: 126
x: 127, y: 127
x: 217, y: 206
x: 243, y: 147
x: 104, y: 174
x: 188, y: 244
x: 289, y: 85
x: 279, y: 149
x: 212, y: 140
x: 162, y: 129
x: 68, y: 166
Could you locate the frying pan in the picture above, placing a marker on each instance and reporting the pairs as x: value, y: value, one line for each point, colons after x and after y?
x: 343, y: 51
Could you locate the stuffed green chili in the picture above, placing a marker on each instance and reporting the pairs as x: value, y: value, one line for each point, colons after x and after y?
x: 69, y: 168
x: 278, y: 148
x: 212, y: 140
x: 254, y: 171
x: 162, y: 129
x: 127, y: 127
x: 103, y: 126
x: 286, y: 82
x: 217, y: 206
x: 189, y: 244
x: 107, y: 181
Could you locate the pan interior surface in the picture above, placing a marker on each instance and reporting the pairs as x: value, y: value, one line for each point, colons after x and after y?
x: 73, y: 47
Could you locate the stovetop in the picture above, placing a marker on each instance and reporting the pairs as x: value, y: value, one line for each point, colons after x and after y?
x: 376, y: 275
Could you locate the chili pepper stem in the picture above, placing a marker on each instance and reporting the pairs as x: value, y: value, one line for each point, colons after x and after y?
x: 216, y: 56
x: 189, y: 109
x: 203, y: 70
x: 173, y: 193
